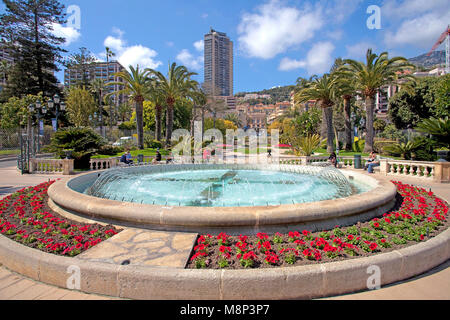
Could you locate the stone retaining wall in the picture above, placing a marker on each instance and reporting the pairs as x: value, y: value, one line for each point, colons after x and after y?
x: 302, y: 282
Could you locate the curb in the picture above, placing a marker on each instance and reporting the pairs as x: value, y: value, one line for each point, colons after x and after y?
x: 302, y: 282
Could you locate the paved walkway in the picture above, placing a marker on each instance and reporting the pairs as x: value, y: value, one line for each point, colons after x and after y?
x: 434, y: 285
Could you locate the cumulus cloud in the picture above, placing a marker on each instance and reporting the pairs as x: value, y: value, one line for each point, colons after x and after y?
x: 199, y: 45
x: 422, y: 31
x: 131, y: 55
x: 318, y: 60
x: 189, y: 60
x: 274, y: 28
x: 69, y: 33
x: 415, y: 22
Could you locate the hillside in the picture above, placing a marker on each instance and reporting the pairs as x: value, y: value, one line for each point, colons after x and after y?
x: 436, y: 58
x: 279, y: 94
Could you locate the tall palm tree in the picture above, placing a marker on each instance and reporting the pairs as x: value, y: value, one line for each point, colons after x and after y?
x: 157, y: 97
x: 324, y: 91
x: 109, y: 54
x: 136, y: 84
x: 369, y: 77
x: 346, y: 92
x: 199, y: 99
x: 178, y: 84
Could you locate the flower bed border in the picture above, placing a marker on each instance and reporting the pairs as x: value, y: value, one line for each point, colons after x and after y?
x: 304, y: 282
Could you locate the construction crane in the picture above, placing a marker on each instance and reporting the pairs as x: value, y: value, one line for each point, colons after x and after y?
x: 445, y: 36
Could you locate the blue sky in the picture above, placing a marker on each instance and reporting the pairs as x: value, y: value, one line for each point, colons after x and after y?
x: 275, y: 41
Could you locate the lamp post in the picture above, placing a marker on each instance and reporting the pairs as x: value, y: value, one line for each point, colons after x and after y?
x: 58, y: 105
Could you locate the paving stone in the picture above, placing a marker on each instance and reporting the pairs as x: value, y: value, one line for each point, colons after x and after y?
x: 20, y: 286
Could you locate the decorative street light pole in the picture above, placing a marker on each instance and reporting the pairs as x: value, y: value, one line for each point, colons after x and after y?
x: 58, y: 105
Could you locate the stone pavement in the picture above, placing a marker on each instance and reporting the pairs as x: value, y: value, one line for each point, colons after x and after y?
x: 147, y: 247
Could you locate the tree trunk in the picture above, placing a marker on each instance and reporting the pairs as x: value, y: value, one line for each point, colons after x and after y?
x: 158, y: 119
x: 169, y: 124
x: 328, y: 112
x: 370, y: 107
x: 323, y: 126
x: 194, y: 108
x: 348, y: 124
x: 139, y: 104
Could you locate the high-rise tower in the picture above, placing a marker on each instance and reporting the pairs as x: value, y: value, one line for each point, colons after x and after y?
x: 218, y: 64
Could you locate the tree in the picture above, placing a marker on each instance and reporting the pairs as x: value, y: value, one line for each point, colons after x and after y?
x: 439, y: 129
x: 109, y: 54
x: 98, y: 88
x: 369, y: 77
x: 26, y: 28
x: 233, y: 117
x: 324, y: 91
x: 14, y: 112
x: 442, y: 97
x: 81, y: 62
x: 178, y: 84
x: 80, y: 105
x: 136, y: 85
x: 408, y: 108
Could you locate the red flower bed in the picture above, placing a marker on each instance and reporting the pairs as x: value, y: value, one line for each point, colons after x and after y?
x: 26, y: 218
x: 418, y: 216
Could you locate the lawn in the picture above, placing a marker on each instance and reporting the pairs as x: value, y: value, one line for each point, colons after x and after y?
x: 134, y: 153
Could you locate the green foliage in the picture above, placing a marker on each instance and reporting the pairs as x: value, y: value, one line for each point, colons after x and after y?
x: 438, y: 128
x: 308, y: 122
x: 307, y: 145
x: 358, y: 146
x: 14, y: 112
x: 222, y: 125
x: 404, y: 149
x: 128, y: 125
x: 392, y: 133
x: 80, y: 105
x: 83, y: 142
x: 442, y: 97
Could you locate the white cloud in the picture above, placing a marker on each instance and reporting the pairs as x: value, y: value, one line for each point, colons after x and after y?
x: 318, y: 60
x: 69, y: 33
x: 131, y: 55
x: 199, y: 45
x: 288, y: 64
x: 189, y: 60
x: 341, y: 10
x: 414, y: 22
x: 359, y: 50
x: 275, y: 28
x: 422, y: 31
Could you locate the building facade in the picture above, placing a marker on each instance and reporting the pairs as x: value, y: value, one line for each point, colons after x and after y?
x: 218, y: 64
x: 97, y: 70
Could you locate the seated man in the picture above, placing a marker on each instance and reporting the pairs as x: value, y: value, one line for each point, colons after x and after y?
x: 374, y: 163
x: 126, y: 158
x: 372, y: 157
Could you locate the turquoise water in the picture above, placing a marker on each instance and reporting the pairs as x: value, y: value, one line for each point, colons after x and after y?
x: 219, y: 188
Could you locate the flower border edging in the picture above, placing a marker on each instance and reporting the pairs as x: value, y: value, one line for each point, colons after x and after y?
x: 311, y: 281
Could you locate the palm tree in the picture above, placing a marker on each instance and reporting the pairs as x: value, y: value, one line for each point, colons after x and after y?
x: 98, y: 87
x: 136, y: 84
x: 199, y: 100
x: 109, y: 54
x: 324, y: 91
x: 178, y: 84
x: 369, y: 77
x: 233, y: 117
x: 159, y: 100
x: 346, y: 92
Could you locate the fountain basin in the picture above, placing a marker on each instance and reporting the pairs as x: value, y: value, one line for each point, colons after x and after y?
x: 68, y: 195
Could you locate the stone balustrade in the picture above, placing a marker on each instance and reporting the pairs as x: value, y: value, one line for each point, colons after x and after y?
x: 102, y: 164
x: 51, y: 166
x: 434, y: 171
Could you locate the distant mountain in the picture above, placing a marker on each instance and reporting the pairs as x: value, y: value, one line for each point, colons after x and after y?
x: 436, y: 58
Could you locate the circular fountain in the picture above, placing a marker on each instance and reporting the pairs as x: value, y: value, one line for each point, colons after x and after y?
x: 235, y: 198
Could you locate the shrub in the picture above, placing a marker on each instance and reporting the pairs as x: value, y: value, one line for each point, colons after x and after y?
x: 83, y: 142
x: 358, y: 146
x: 110, y: 150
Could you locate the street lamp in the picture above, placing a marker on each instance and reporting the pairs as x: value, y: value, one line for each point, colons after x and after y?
x: 58, y: 105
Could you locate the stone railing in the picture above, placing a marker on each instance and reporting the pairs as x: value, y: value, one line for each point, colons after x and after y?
x: 343, y: 162
x: 433, y: 171
x: 51, y: 166
x: 107, y: 163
